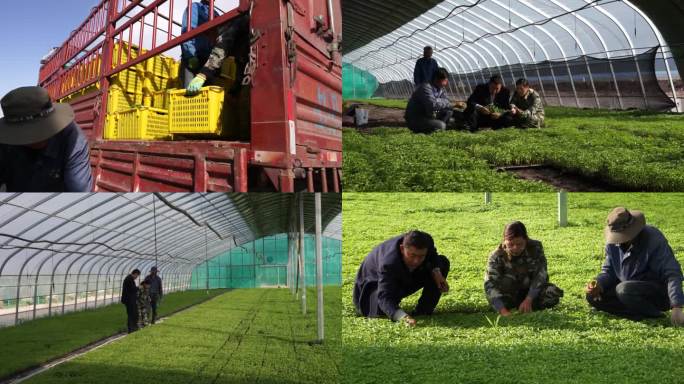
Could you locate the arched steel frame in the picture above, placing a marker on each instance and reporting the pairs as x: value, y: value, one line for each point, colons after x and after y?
x: 469, y: 58
x: 126, y: 227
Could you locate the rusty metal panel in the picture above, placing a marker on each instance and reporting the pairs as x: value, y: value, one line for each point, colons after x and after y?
x: 159, y: 166
x: 302, y: 121
x: 86, y: 109
x: 318, y: 82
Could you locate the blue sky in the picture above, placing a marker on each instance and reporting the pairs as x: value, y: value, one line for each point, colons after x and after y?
x: 28, y: 30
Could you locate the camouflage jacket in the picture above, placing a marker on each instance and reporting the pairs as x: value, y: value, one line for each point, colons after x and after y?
x: 143, y: 299
x: 530, y: 105
x: 526, y: 271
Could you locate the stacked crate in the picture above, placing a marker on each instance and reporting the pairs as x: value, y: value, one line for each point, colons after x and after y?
x: 198, y: 114
x: 141, y: 123
x: 131, y: 97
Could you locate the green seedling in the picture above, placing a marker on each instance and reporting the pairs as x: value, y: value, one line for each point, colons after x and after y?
x: 567, y: 344
x: 494, y: 323
x: 578, y: 142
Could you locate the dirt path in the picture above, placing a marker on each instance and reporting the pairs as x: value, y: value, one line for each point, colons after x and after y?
x: 379, y: 117
x: 560, y: 179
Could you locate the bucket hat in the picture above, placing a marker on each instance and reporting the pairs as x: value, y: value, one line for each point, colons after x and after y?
x: 31, y: 117
x: 623, y: 225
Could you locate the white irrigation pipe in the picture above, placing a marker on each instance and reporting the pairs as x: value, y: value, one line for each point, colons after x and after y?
x: 563, y: 209
x: 302, y: 248
x: 319, y: 266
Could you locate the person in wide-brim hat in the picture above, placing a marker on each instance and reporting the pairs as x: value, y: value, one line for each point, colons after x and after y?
x: 41, y: 147
x: 622, y: 225
x: 30, y: 117
x: 640, y: 277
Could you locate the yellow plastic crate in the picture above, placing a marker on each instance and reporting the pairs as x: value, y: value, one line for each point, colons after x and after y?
x: 130, y: 80
x: 124, y: 54
x: 158, y: 83
x: 162, y: 66
x: 199, y: 114
x: 80, y: 93
x: 138, y: 124
x: 160, y: 99
x: 119, y: 100
x: 229, y: 68
x: 228, y: 74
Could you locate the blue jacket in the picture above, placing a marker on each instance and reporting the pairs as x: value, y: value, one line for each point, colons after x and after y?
x: 424, y: 70
x: 63, y: 166
x: 201, y: 45
x: 650, y: 258
x: 425, y: 102
x: 384, y: 269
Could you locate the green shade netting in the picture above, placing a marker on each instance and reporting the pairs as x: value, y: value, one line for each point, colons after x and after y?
x: 263, y: 263
x: 357, y: 84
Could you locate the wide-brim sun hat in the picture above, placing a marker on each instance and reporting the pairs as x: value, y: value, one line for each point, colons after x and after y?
x: 31, y: 117
x: 623, y: 225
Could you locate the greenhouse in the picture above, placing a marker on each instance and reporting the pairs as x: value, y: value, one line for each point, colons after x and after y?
x: 252, y: 276
x: 580, y: 53
x: 513, y: 95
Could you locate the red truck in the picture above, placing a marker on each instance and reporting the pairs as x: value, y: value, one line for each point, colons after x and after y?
x: 296, y: 98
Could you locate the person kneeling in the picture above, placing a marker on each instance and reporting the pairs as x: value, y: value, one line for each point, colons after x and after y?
x: 485, y: 104
x: 397, y: 268
x: 640, y: 277
x: 526, y: 109
x: 429, y: 110
x: 516, y: 275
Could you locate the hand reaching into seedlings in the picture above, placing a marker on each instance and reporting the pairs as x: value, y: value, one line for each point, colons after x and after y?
x: 482, y: 109
x: 504, y: 312
x: 594, y: 290
x: 677, y: 317
x: 440, y: 281
x: 526, y: 305
x: 409, y: 321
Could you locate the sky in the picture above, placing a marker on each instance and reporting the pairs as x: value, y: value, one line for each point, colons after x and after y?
x: 30, y: 28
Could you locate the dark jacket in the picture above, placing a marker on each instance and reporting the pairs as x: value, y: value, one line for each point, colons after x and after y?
x: 425, y: 102
x: 650, y: 258
x: 155, y: 285
x: 63, y: 166
x: 481, y: 96
x: 129, y: 291
x: 233, y: 40
x: 384, y: 268
x: 424, y: 70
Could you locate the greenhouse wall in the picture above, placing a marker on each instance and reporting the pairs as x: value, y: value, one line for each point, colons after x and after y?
x: 357, y: 83
x: 264, y: 263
